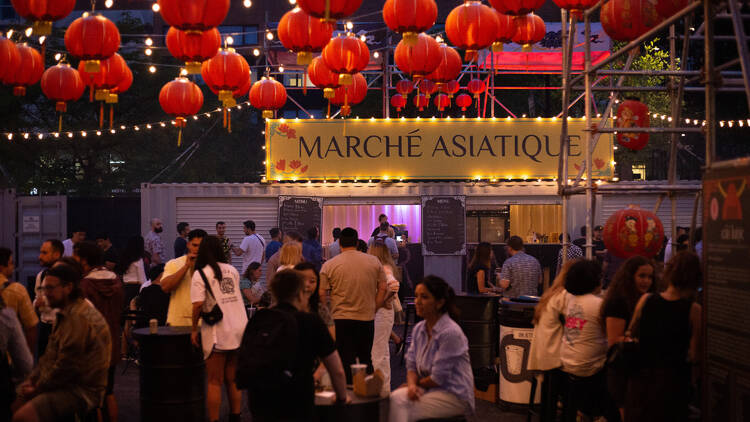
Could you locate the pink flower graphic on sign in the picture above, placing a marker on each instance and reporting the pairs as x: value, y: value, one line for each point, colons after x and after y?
x: 281, y: 165
x: 295, y: 164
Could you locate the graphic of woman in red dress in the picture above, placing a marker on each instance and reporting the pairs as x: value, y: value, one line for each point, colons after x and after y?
x: 732, y: 208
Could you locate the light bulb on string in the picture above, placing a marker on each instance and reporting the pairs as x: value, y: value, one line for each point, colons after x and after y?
x: 269, y: 35
x: 230, y: 40
x: 42, y: 39
x: 281, y: 69
x: 155, y: 7
x: 292, y: 2
x: 152, y: 69
x: 439, y: 39
x: 363, y: 38
x: 83, y: 134
x: 149, y: 42
x: 349, y: 25
x: 70, y: 134
x: 148, y: 52
x: 256, y: 52
x: 8, y: 35
x: 247, y: 3
x: 108, y: 4
x: 57, y: 57
x: 183, y: 72
x: 376, y: 54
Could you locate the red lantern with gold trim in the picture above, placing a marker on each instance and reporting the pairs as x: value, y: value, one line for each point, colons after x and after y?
x: 94, y: 80
x: 322, y: 77
x: 193, y: 48
x: 632, y: 113
x: 419, y: 59
x: 442, y: 101
x: 451, y: 87
x: 464, y: 101
x: 633, y: 232
x: 43, y: 13
x: 404, y: 87
x: 530, y: 29
x: 421, y: 101
x: 346, y: 56
x: 517, y: 7
x: 410, y: 17
x: 181, y: 98
x: 476, y: 87
x: 303, y: 34
x: 225, y: 73
x: 506, y: 28
x: 28, y: 71
x: 576, y: 7
x: 449, y: 68
x: 346, y: 95
x: 114, y: 69
x: 427, y: 87
x: 92, y: 38
x: 193, y: 15
x: 626, y: 20
x: 10, y: 58
x: 399, y: 102
x: 329, y: 10
x: 268, y: 95
x: 471, y: 26
x: 61, y: 83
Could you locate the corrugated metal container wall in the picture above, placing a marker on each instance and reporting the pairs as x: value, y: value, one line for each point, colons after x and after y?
x: 684, y: 208
x: 39, y: 218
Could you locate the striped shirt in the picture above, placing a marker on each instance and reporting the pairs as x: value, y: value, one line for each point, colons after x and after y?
x: 524, y: 273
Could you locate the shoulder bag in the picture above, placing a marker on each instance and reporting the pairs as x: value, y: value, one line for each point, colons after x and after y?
x: 215, y: 315
x: 623, y: 357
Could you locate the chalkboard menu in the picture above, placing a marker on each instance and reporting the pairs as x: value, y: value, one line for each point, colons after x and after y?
x: 299, y: 213
x: 726, y: 257
x: 443, y: 225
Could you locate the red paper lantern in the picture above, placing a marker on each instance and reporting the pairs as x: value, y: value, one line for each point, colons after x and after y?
x: 398, y: 101
x: 114, y: 69
x: 303, y: 34
x: 193, y: 48
x: 329, y: 10
x: 421, y: 101
x: 61, y: 83
x: 322, y: 77
x: 9, y: 57
x: 28, y: 71
x: 427, y: 87
x: 43, y: 13
x: 125, y: 82
x: 451, y: 87
x: 181, y: 98
x: 530, y: 29
x: 346, y: 56
x: 576, y: 7
x: 193, y: 15
x: 516, y: 7
x: 476, y: 87
x: 94, y: 80
x: 632, y: 113
x: 506, y: 28
x: 268, y: 95
x: 404, y: 87
x: 410, y: 17
x: 442, y: 101
x: 633, y: 232
x: 225, y: 73
x: 626, y: 20
x: 463, y: 101
x: 347, y: 95
x: 667, y: 8
x: 471, y: 26
x: 419, y: 59
x: 449, y: 68
x: 92, y: 38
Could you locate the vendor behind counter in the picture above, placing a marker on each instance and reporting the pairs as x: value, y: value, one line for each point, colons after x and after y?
x: 545, y: 253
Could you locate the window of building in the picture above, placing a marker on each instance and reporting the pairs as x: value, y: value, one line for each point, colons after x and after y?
x: 487, y: 225
x: 639, y: 172
x: 242, y: 35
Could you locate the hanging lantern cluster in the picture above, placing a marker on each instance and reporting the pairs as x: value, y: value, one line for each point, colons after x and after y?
x: 346, y: 56
x: 471, y: 26
x: 225, y: 73
x: 626, y: 20
x: 410, y: 17
x: 633, y: 232
x: 322, y: 77
x: 193, y: 48
x: 448, y: 69
x: 506, y: 28
x: 329, y: 10
x: 346, y: 95
x: 303, y: 34
x: 43, y: 13
x: 25, y: 66
x: 419, y: 59
x: 632, y: 113
x: 62, y: 83
x: 268, y: 95
x: 92, y: 39
x: 9, y: 57
x: 181, y: 98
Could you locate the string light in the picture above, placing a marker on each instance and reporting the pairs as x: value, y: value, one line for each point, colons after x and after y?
x: 363, y: 38
x: 269, y: 35
x: 349, y: 25
x: 292, y: 2
x: 149, y: 42
x: 256, y: 52
x: 9, y: 33
x: 41, y: 39
x: 155, y: 7
x: 29, y: 31
x: 108, y: 4
x: 152, y: 69
x: 230, y: 40
x: 183, y: 72
x: 83, y: 134
x: 148, y: 52
x: 247, y: 3
x: 281, y: 69
x: 439, y: 39
x: 57, y: 57
x: 376, y: 54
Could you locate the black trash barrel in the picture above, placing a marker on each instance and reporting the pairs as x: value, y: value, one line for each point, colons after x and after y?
x: 478, y: 319
x: 516, y: 331
x: 172, y: 376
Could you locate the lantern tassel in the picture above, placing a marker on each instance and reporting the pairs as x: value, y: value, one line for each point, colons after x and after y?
x: 101, y: 115
x: 229, y: 121
x: 91, y: 93
x: 179, y: 137
x: 327, y: 12
x: 224, y: 118
x: 328, y: 113
x: 111, y: 115
x: 59, y: 123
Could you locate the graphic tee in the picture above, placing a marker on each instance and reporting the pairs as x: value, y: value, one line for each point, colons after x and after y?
x: 584, y: 343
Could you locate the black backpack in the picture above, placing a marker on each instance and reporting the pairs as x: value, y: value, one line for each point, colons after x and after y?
x: 268, y: 351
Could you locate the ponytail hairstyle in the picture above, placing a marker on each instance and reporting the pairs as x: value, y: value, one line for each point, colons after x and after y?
x: 440, y: 290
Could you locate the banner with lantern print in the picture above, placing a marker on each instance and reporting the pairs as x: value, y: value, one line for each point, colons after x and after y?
x: 447, y: 149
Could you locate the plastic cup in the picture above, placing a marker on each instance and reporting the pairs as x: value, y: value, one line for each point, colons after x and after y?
x: 153, y: 326
x: 357, y: 368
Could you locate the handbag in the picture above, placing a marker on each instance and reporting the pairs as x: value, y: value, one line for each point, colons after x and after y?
x: 623, y: 358
x: 215, y: 315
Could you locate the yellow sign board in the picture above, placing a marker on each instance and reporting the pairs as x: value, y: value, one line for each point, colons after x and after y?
x: 393, y: 149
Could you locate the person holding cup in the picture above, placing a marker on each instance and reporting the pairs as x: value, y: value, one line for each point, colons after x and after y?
x: 439, y: 380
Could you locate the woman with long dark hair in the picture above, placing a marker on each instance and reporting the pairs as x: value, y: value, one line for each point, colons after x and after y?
x: 312, y: 284
x: 669, y: 335
x: 216, y: 283
x: 132, y: 268
x: 480, y: 270
x: 439, y: 380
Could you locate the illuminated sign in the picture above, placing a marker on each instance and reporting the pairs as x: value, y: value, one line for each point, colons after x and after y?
x: 393, y: 149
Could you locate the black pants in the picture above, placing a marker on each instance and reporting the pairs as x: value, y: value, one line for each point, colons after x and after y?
x: 354, y: 340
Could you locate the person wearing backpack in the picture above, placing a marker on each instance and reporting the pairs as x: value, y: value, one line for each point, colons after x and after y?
x: 278, y: 354
x: 384, y: 238
x: 215, y: 294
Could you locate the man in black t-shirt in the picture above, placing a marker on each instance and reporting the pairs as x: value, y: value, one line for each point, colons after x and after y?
x: 111, y: 256
x: 296, y: 402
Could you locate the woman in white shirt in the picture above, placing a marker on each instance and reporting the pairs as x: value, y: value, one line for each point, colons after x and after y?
x: 381, y: 357
x: 131, y: 268
x: 216, y: 283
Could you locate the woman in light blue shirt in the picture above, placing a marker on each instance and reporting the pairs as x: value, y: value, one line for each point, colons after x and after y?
x: 439, y: 380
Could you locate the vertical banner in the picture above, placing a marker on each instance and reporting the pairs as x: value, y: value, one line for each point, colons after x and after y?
x: 444, y: 225
x: 726, y: 258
